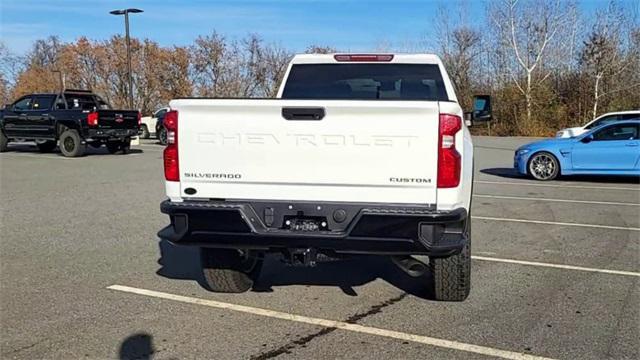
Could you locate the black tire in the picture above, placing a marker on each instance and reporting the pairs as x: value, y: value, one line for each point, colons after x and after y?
x: 162, y: 136
x: 125, y: 146
x: 229, y: 270
x: 71, y: 144
x: 144, y: 131
x: 543, y: 166
x: 46, y: 146
x: 3, y: 142
x: 115, y: 146
x: 452, y: 275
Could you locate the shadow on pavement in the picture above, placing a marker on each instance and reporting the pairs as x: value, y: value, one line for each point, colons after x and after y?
x: 183, y: 263
x: 343, y: 273
x: 511, y: 173
x: 503, y: 172
x: 91, y: 151
x: 137, y: 346
x: 179, y: 262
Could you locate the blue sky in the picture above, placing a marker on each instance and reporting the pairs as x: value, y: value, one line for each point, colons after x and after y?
x: 349, y: 25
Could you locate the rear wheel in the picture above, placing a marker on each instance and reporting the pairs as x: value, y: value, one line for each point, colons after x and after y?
x: 452, y: 275
x: 113, y: 146
x: 3, y: 142
x: 145, y: 131
x: 544, y: 166
x: 71, y: 144
x: 162, y: 136
x: 46, y: 146
x: 229, y: 270
x: 125, y: 146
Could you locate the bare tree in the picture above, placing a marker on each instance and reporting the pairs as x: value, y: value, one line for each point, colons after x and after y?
x: 238, y: 68
x: 45, y: 52
x: 39, y: 63
x: 207, y: 55
x: 459, y: 46
x: 528, y: 29
x: 11, y: 65
x: 320, y: 49
x: 604, y: 58
x: 174, y: 74
x: 275, y: 60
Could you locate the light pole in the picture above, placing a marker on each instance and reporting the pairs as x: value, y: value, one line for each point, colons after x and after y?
x: 126, y: 12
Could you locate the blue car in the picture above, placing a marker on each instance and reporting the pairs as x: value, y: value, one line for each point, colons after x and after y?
x: 611, y: 149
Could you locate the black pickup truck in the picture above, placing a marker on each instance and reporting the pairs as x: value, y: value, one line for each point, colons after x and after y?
x: 75, y: 118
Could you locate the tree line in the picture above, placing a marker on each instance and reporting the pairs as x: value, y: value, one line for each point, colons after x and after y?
x: 213, y: 66
x: 546, y: 65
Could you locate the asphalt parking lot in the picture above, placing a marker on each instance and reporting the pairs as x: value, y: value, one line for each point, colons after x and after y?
x: 556, y: 273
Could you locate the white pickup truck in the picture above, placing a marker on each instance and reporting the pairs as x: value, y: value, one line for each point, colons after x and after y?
x: 360, y: 154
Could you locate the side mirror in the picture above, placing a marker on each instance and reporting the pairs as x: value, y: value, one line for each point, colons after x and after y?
x: 587, y: 139
x: 481, y: 108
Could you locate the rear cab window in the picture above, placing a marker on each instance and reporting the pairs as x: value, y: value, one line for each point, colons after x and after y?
x: 80, y: 101
x: 60, y: 104
x: 102, y: 105
x: 43, y: 102
x: 365, y: 82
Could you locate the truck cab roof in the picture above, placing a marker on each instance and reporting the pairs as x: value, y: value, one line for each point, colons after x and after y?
x: 336, y: 58
x: 312, y: 72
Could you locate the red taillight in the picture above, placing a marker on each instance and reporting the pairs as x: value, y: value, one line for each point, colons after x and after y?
x: 448, y: 157
x: 171, y: 165
x: 363, y: 57
x: 92, y: 119
x: 139, y: 118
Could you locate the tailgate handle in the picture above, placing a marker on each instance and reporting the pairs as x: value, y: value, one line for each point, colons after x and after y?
x: 303, y: 113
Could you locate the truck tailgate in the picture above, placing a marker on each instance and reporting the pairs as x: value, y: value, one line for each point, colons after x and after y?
x: 359, y: 151
x: 118, y: 119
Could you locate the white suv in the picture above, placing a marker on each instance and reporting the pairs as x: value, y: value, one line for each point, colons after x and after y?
x: 601, y: 120
x: 148, y: 126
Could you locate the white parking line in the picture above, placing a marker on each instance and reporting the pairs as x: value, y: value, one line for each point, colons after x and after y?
x: 60, y: 157
x: 523, y: 183
x: 556, y: 266
x: 441, y: 343
x: 556, y: 223
x: 555, y: 200
x: 159, y: 147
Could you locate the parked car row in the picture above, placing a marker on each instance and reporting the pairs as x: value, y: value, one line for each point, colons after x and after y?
x: 599, y: 121
x: 607, y: 145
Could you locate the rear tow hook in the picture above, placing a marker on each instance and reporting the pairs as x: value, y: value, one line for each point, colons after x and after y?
x: 301, y: 257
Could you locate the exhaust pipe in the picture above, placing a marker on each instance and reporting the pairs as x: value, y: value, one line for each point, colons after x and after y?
x: 410, y: 265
